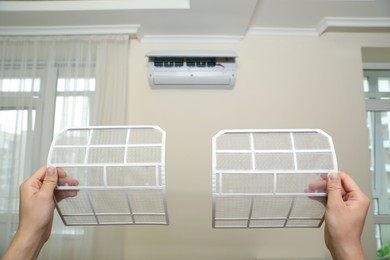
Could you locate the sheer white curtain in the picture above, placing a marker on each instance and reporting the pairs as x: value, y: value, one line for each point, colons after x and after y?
x: 47, y: 84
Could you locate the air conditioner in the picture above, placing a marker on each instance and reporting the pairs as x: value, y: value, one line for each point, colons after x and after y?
x: 187, y: 69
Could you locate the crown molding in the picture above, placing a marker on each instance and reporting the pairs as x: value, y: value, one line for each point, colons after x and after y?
x: 131, y: 30
x: 75, y: 5
x: 327, y: 24
x: 269, y: 31
x: 191, y: 39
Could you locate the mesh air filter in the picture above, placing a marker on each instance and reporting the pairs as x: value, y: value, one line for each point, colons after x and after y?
x: 114, y: 175
x: 270, y: 178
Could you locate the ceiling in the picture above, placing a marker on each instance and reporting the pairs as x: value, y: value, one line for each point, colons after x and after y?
x: 193, y: 19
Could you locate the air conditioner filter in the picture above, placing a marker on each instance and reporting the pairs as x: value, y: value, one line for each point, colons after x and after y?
x: 119, y: 172
x: 261, y: 178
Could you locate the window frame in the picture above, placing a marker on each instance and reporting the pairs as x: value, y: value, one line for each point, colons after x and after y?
x: 43, y: 102
x: 375, y: 105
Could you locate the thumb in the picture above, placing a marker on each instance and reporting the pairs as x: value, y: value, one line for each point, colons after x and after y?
x: 334, y: 188
x: 50, y: 181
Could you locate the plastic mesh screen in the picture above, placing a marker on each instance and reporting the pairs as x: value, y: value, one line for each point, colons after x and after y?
x: 110, y: 175
x: 271, y: 178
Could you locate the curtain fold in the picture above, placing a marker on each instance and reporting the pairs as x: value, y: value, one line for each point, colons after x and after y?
x: 111, y: 80
x: 48, y: 84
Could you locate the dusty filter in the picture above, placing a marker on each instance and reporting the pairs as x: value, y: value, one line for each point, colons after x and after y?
x: 115, y: 175
x: 265, y: 178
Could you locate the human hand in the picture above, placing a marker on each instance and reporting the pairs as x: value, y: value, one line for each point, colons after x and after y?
x: 35, y: 215
x: 318, y: 186
x: 345, y: 214
x: 36, y: 211
x: 65, y: 180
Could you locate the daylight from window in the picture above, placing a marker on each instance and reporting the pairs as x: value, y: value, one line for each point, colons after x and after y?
x: 376, y: 86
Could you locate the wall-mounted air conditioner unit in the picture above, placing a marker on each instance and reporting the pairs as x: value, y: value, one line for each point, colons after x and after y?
x: 186, y: 69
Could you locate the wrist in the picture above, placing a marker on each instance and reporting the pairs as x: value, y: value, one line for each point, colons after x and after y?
x: 352, y: 251
x: 25, y: 245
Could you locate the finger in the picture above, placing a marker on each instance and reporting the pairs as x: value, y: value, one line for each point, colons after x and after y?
x: 39, y: 174
x: 317, y: 186
x: 64, y: 179
x: 68, y: 181
x: 348, y: 183
x: 324, y: 176
x: 50, y: 180
x: 63, y: 194
x: 61, y: 173
x: 334, y: 189
x: 35, y: 181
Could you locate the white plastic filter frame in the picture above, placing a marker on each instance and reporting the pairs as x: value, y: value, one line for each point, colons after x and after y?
x: 120, y: 172
x: 261, y: 177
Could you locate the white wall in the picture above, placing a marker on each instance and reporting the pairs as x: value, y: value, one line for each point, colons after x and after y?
x: 282, y: 82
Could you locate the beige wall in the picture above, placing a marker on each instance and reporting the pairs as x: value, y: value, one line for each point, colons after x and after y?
x: 282, y: 82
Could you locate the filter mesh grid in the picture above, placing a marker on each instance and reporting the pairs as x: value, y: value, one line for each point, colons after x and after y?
x: 261, y: 178
x: 114, y: 175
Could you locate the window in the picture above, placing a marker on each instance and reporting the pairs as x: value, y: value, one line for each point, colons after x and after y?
x: 13, y: 132
x: 31, y: 112
x: 20, y: 100
x: 377, y: 92
x: 73, y: 101
x: 48, y: 83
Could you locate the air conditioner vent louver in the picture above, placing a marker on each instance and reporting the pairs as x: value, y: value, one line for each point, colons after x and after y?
x: 191, y: 68
x: 190, y: 62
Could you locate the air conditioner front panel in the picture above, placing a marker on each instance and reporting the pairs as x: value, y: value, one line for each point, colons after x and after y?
x: 194, y: 78
x: 178, y: 69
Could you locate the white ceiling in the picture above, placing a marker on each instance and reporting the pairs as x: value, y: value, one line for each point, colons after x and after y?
x: 197, y: 18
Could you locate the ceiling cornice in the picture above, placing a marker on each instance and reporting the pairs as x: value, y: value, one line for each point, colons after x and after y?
x: 353, y: 23
x: 74, y: 5
x: 269, y: 31
x: 327, y: 24
x: 191, y: 38
x: 131, y: 29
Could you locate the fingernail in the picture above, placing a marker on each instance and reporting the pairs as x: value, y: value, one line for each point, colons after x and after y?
x: 334, y: 176
x: 51, y: 171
